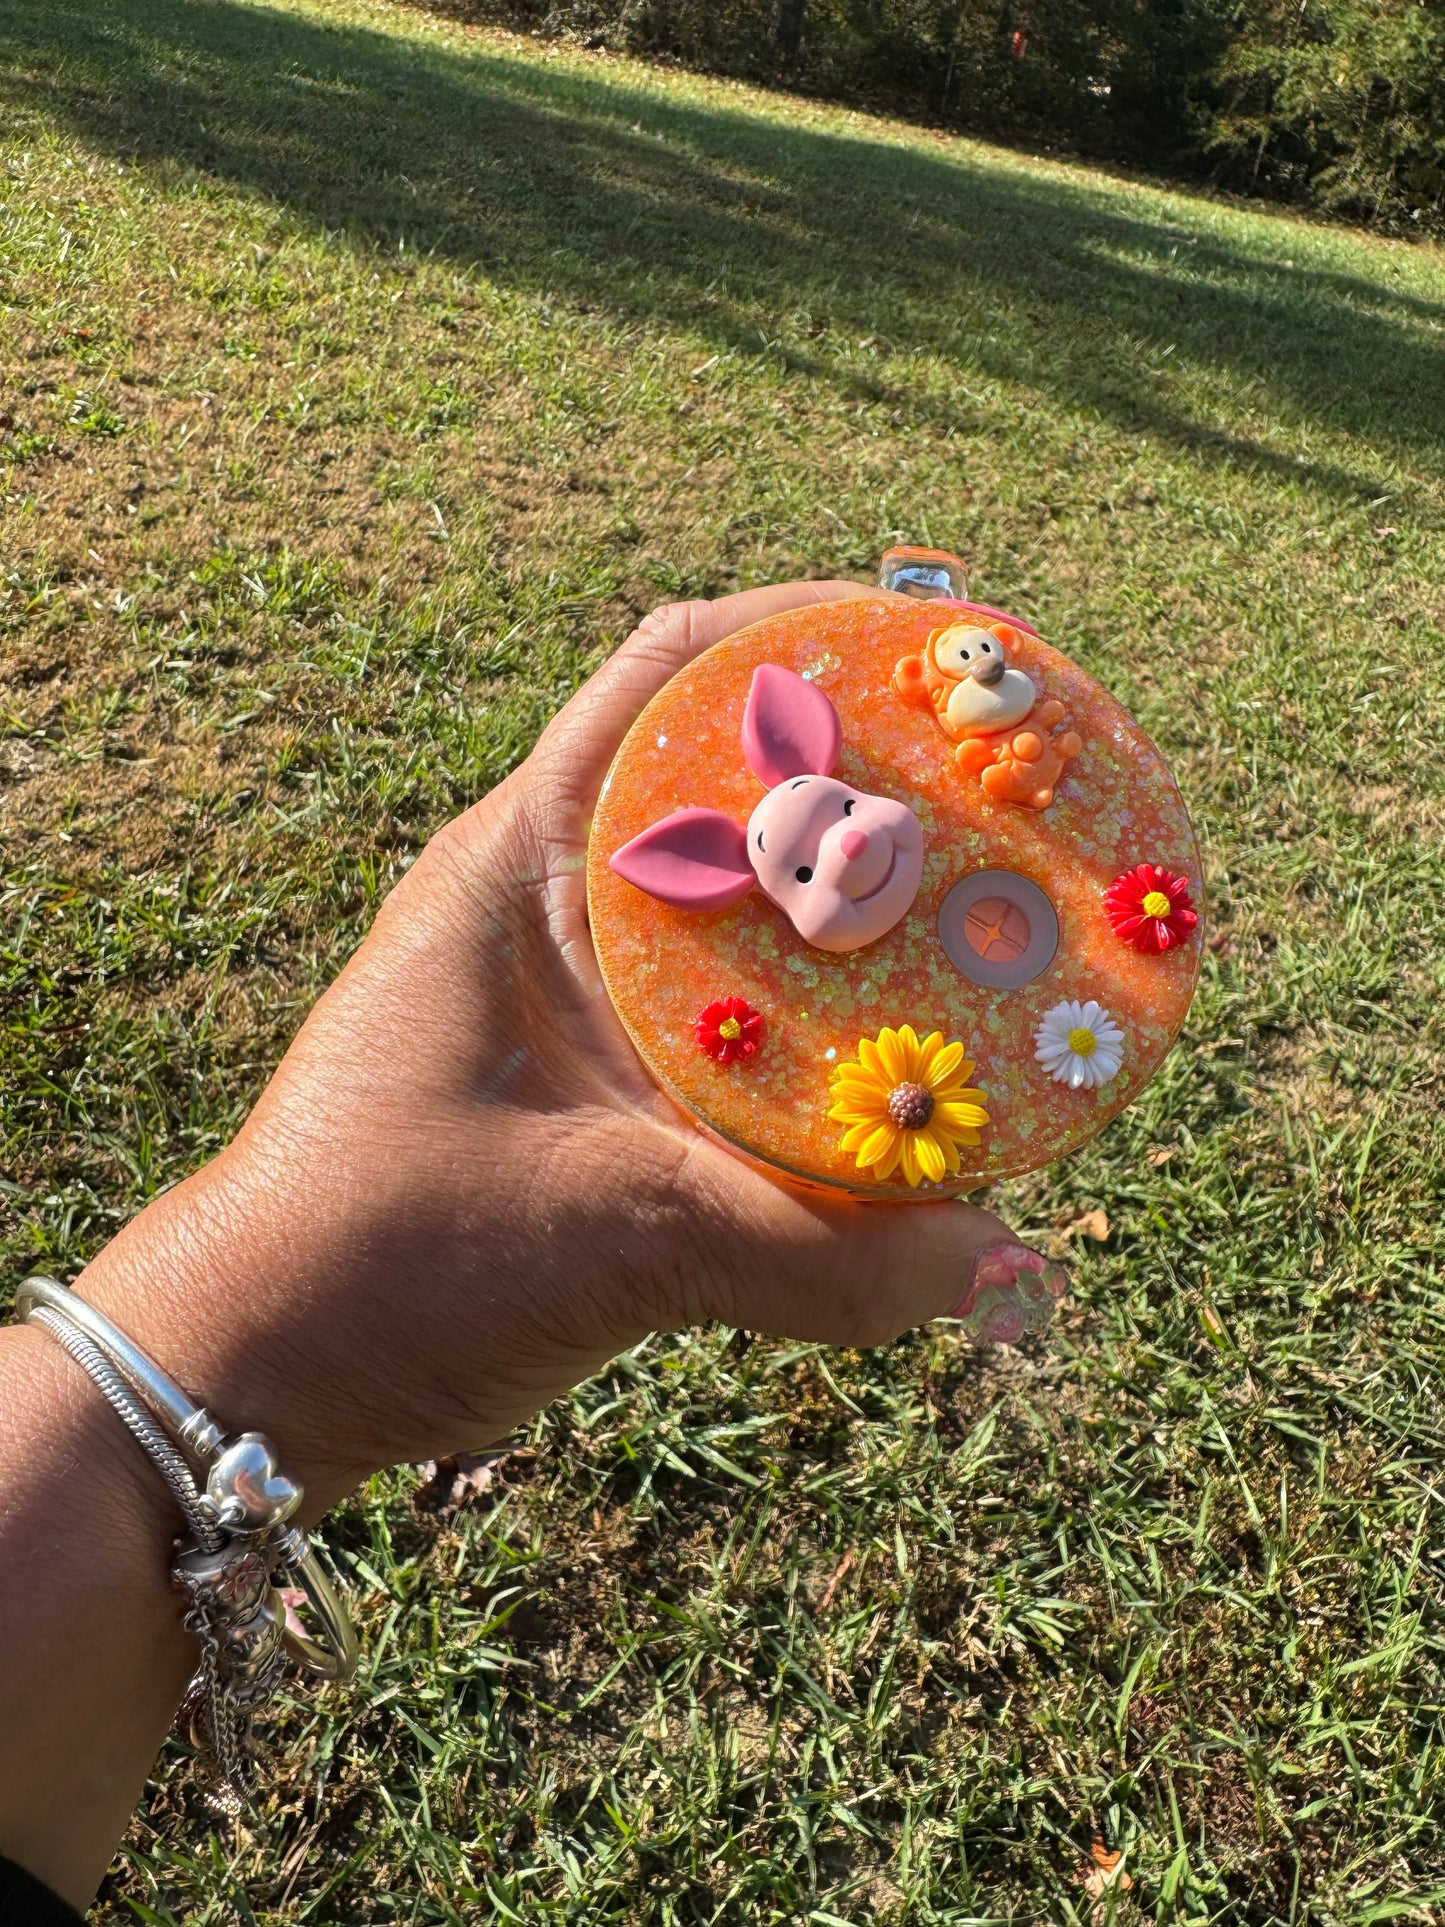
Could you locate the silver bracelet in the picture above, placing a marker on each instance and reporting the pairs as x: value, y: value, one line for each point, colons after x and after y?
x: 241, y: 1550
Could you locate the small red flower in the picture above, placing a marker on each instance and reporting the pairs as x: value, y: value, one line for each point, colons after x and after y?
x: 1150, y: 908
x: 729, y: 1030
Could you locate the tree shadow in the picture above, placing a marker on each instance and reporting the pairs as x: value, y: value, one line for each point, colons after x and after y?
x: 762, y: 236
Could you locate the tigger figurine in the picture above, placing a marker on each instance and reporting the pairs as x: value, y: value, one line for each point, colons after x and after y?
x: 1007, y: 734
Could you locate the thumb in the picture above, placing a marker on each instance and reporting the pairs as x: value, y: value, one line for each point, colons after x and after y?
x: 846, y: 1272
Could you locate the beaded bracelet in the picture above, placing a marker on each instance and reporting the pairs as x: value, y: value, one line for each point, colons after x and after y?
x: 240, y: 1551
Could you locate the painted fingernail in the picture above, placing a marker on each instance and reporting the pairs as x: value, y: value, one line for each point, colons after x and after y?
x: 1000, y: 1267
x: 1012, y: 1289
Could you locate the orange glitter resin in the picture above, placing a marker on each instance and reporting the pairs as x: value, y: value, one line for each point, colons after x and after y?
x: 1116, y: 806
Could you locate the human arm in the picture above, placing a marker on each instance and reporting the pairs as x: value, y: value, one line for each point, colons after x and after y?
x: 459, y: 1195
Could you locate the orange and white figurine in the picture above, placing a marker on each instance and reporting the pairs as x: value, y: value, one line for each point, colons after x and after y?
x: 1008, y: 734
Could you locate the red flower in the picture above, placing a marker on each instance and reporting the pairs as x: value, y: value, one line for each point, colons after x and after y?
x: 1150, y: 908
x: 729, y: 1029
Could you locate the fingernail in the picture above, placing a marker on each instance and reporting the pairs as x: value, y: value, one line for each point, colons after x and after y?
x: 1012, y: 1289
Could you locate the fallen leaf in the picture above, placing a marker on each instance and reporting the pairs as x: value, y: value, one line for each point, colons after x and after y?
x: 1214, y: 1324
x: 1161, y: 1154
x: 1092, y: 1224
x: 1106, y: 1871
x: 1386, y: 531
x: 293, y: 1599
x: 840, y: 1571
x: 448, y: 1484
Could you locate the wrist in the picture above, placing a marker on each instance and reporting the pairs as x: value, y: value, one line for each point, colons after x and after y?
x: 96, y: 1653
x: 416, y: 1288
x: 106, y: 1488
x: 200, y: 1282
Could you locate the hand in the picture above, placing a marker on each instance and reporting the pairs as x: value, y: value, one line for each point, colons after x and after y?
x: 461, y: 1193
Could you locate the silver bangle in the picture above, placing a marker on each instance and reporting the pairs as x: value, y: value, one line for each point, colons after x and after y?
x: 241, y: 1550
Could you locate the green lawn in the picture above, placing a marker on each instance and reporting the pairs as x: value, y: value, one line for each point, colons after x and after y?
x: 364, y: 379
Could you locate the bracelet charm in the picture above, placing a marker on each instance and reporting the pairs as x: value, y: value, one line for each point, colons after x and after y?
x: 245, y: 1488
x: 239, y: 1554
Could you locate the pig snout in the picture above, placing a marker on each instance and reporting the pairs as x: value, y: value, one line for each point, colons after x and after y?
x: 859, y: 859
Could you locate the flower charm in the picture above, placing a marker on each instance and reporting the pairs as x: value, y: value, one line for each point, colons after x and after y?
x: 1079, y: 1045
x: 1150, y: 908
x: 729, y: 1030
x: 906, y: 1105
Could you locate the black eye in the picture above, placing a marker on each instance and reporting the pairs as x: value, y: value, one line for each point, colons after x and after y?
x: 848, y: 806
x: 804, y: 873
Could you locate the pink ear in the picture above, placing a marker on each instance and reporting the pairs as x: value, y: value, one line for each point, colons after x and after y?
x: 693, y: 859
x: 789, y: 727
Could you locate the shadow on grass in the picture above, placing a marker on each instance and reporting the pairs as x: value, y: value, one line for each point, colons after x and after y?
x: 744, y: 228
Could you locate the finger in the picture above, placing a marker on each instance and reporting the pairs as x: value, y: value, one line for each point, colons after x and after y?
x: 840, y: 1272
x: 584, y: 736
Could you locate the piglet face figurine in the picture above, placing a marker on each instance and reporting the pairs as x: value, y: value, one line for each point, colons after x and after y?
x: 841, y: 865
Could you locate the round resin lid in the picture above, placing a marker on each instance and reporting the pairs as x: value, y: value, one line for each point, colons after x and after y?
x: 892, y: 897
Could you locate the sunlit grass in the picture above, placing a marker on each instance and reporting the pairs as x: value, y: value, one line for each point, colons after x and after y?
x: 363, y: 380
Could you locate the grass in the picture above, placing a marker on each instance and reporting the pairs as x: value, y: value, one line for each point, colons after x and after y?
x: 364, y: 378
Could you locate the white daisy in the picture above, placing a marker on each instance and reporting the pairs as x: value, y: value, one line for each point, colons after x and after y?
x: 1079, y: 1045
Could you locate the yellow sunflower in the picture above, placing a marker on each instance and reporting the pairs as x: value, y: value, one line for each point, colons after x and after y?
x: 906, y: 1105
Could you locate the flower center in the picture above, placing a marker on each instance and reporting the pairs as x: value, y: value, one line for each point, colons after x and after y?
x: 1156, y: 904
x: 1083, y: 1043
x: 730, y: 1028
x: 910, y: 1106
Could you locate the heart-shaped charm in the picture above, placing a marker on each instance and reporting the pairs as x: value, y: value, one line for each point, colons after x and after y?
x: 249, y: 1494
